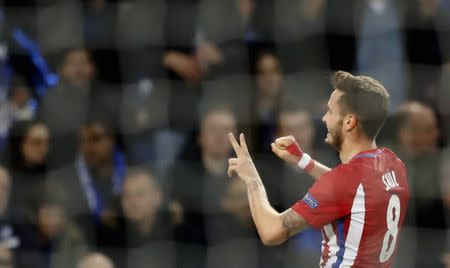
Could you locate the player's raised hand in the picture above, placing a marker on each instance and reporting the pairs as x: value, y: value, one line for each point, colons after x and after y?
x: 242, y: 165
x: 287, y: 149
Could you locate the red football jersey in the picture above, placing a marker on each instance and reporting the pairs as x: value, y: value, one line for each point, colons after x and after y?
x: 360, y: 207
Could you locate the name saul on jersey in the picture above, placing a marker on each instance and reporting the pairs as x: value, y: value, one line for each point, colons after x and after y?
x: 390, y: 180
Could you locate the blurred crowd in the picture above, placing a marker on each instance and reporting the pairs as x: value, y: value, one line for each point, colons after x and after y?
x: 114, y: 118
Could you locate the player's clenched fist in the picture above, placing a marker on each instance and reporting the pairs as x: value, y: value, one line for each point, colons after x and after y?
x: 288, y: 149
x: 242, y: 165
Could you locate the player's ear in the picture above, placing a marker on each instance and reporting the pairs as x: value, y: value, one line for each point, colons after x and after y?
x: 350, y: 122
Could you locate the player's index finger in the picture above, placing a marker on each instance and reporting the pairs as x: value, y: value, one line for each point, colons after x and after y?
x: 234, y: 143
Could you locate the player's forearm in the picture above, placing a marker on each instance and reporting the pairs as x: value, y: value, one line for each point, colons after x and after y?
x: 266, y: 218
x: 318, y: 170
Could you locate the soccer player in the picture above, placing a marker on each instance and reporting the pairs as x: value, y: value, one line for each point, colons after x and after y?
x: 359, y: 205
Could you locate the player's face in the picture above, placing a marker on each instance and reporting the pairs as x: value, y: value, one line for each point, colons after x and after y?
x: 333, y: 121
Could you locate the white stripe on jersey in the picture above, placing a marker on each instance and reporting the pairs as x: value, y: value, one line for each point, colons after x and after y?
x: 355, y: 229
x: 332, y: 245
x: 321, y: 258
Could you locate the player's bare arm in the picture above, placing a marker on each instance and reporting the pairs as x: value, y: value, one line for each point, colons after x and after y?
x: 287, y: 149
x: 274, y: 228
x: 292, y: 223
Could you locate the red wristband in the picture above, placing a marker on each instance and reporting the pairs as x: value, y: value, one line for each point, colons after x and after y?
x: 294, y: 149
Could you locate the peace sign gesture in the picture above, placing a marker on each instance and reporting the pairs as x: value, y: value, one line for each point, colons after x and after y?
x: 242, y: 166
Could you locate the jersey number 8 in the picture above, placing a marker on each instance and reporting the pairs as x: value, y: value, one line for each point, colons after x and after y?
x: 392, y: 219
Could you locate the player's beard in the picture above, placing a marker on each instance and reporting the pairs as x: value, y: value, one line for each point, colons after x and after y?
x: 336, y: 136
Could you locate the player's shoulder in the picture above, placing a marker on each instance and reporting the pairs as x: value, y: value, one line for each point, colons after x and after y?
x: 391, y: 157
x: 342, y: 172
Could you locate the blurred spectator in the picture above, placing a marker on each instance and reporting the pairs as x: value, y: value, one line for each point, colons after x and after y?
x: 148, y: 227
x: 380, y: 46
x: 299, y: 30
x: 427, y: 36
x: 417, y: 136
x: 76, y: 68
x: 95, y: 260
x: 269, y: 83
x: 224, y: 34
x: 198, y: 183
x: 8, y: 239
x: 418, y: 131
x: 237, y: 244
x: 235, y: 204
x: 19, y: 98
x: 16, y: 108
x: 81, y: 98
x: 49, y: 239
x: 94, y: 181
x: 179, y: 58
x: 26, y: 156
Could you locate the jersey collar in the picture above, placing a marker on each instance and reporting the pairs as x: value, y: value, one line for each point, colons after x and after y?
x: 367, y: 154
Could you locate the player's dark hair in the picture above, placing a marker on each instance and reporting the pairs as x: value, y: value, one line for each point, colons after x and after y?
x: 365, y: 97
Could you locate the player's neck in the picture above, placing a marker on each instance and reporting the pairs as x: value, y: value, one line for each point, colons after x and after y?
x: 351, y: 148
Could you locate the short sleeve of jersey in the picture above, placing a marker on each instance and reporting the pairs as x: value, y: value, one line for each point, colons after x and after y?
x: 330, y: 198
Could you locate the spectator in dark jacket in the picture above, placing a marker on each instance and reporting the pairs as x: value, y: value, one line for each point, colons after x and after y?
x: 48, y: 238
x: 26, y: 157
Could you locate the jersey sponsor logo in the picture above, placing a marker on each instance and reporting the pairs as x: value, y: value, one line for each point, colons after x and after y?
x: 310, y: 201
